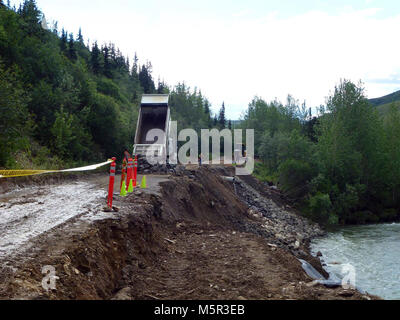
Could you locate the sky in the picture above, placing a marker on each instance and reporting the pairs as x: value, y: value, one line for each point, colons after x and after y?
x: 235, y: 50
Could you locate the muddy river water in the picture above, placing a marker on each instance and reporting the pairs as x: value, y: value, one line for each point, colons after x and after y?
x: 369, y: 254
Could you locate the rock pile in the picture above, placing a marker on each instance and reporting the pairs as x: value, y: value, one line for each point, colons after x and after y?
x: 144, y: 167
x: 289, y: 229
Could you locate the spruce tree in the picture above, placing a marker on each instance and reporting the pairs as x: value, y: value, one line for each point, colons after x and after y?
x: 206, y: 107
x: 107, y: 62
x: 146, y: 80
x: 63, y: 40
x: 55, y: 28
x: 135, y: 66
x: 215, y: 121
x: 71, y: 48
x: 31, y: 14
x: 221, y: 117
x: 96, y: 59
x: 80, y: 37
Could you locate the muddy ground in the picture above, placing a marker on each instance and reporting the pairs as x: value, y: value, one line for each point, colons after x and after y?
x: 192, y: 235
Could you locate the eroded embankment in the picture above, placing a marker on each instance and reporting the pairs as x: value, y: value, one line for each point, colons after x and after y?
x: 200, y: 237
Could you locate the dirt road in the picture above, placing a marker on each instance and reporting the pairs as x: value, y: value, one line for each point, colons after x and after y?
x: 211, y: 263
x: 27, y: 213
x: 33, y: 211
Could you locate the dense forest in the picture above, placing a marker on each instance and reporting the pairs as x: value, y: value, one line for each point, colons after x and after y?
x: 342, y: 166
x: 63, y: 102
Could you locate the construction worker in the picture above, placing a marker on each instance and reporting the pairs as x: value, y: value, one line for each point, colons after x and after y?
x: 127, y: 155
x: 125, y: 161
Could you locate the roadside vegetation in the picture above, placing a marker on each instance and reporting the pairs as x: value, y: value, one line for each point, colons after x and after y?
x: 342, y: 166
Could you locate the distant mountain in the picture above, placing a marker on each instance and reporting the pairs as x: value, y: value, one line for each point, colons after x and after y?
x: 383, y: 103
x: 393, y: 97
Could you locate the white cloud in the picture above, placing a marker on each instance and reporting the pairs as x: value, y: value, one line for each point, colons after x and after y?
x: 305, y: 55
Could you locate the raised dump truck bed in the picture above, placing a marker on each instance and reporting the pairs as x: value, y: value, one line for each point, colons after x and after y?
x: 154, y: 113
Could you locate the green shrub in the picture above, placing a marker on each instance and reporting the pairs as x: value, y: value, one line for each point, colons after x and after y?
x: 262, y: 173
x: 294, y: 178
x: 321, y: 184
x: 320, y: 207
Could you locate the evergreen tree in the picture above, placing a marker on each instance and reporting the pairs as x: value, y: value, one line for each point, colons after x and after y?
x: 63, y: 41
x: 96, y: 59
x: 146, y: 80
x: 55, y: 28
x: 135, y: 70
x: 71, y: 48
x: 162, y: 88
x: 107, y: 62
x: 215, y: 121
x: 31, y: 15
x: 221, y: 117
x: 207, y: 107
x: 80, y: 37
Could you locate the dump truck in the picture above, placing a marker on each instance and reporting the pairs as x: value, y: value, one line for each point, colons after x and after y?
x: 154, y: 113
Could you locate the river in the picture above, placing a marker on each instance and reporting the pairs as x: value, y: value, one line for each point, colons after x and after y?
x: 373, y: 251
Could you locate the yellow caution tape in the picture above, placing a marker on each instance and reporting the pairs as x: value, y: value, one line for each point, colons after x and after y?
x: 24, y: 173
x: 21, y: 173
